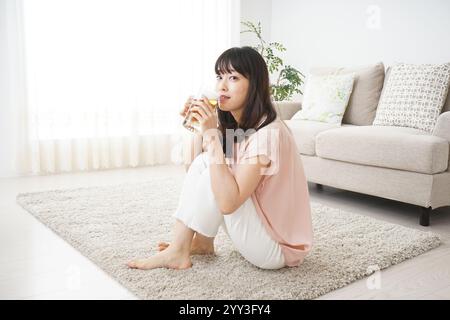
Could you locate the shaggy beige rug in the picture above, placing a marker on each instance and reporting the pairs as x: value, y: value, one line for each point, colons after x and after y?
x: 113, y: 224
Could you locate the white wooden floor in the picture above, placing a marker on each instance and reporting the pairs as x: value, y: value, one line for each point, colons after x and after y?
x: 37, y: 264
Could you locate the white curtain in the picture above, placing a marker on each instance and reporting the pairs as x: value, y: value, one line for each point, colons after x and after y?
x: 98, y: 84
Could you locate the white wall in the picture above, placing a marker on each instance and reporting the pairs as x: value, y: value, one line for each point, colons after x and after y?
x: 357, y: 32
x: 256, y: 11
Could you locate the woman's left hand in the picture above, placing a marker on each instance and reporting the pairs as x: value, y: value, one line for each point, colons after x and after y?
x: 205, y: 114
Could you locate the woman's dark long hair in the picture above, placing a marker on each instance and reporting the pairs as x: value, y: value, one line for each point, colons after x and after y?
x: 249, y: 63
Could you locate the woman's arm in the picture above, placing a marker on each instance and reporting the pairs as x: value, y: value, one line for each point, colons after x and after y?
x: 232, y: 191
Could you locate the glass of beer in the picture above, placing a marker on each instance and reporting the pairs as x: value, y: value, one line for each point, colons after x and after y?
x: 190, y: 122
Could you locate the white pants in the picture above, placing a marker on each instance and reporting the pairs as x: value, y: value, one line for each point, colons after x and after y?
x: 198, y: 210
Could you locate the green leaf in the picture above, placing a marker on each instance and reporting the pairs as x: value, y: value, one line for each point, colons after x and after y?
x: 289, y: 78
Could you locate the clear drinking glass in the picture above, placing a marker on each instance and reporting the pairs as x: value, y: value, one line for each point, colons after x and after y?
x: 191, y: 123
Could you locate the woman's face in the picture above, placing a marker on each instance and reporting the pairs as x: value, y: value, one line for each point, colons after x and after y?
x: 232, y: 89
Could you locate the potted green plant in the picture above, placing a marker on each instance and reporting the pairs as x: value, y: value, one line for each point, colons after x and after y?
x: 289, y: 79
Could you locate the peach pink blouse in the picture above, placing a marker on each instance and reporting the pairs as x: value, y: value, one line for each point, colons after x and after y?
x: 282, y: 197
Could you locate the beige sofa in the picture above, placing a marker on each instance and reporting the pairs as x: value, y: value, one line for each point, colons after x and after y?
x: 398, y: 163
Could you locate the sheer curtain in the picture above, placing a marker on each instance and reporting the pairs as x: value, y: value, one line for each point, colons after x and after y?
x: 103, y: 80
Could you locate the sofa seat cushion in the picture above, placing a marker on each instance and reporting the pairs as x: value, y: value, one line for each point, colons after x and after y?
x: 384, y: 146
x: 305, y: 132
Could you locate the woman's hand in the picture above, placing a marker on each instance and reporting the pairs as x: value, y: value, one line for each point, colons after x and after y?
x: 205, y: 114
x: 185, y: 109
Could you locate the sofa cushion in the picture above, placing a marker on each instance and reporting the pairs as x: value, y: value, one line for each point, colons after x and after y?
x: 413, y: 96
x: 326, y: 98
x: 366, y: 91
x: 305, y: 132
x: 446, y: 106
x: 384, y: 146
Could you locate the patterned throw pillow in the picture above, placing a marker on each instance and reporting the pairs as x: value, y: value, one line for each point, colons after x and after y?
x: 326, y: 98
x: 413, y: 96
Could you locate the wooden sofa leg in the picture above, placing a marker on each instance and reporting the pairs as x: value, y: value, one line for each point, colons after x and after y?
x: 319, y: 186
x: 425, y: 216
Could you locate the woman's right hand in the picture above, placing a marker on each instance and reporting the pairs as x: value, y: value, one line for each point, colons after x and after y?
x: 187, y: 104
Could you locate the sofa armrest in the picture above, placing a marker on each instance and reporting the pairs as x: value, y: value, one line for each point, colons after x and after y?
x: 442, y: 129
x: 286, y: 109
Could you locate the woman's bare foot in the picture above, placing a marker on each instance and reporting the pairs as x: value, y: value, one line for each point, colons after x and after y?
x: 197, y: 247
x: 170, y: 258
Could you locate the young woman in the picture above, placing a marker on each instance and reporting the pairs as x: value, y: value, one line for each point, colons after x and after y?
x: 250, y: 180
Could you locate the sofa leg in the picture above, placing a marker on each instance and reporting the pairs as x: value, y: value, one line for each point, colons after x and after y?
x: 425, y: 216
x: 319, y: 186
